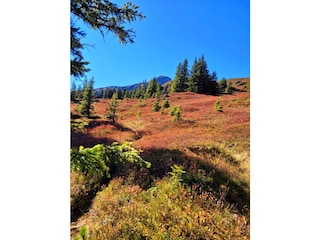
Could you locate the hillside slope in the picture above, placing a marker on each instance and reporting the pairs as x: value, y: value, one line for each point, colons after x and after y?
x: 213, y: 148
x: 201, y: 123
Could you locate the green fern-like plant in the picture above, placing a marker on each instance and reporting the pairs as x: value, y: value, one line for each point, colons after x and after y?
x: 177, y: 172
x: 98, y: 160
x: 82, y: 235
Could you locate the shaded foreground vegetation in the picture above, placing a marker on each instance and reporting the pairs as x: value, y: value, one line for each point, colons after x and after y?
x: 168, y: 210
x: 189, y: 181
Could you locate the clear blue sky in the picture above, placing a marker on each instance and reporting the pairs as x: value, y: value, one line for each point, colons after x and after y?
x: 171, y: 32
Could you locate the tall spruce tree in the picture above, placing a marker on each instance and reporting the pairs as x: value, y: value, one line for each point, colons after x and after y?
x: 200, y: 79
x: 153, y: 88
x: 193, y: 79
x: 205, y: 78
x: 87, y: 98
x: 179, y: 83
x: 175, y: 82
x: 213, y: 85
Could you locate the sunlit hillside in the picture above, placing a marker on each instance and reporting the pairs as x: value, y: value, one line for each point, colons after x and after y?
x: 198, y: 184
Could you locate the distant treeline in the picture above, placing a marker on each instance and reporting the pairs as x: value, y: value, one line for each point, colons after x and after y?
x: 197, y: 80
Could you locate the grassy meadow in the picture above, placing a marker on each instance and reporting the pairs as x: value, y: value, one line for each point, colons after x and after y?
x: 198, y: 183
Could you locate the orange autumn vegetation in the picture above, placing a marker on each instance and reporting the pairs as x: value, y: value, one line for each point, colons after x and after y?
x: 211, y: 199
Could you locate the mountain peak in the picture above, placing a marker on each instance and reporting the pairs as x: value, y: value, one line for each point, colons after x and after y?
x: 162, y: 79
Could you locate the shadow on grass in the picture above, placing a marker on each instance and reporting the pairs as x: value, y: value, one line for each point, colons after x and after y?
x: 95, y: 123
x: 84, y: 138
x: 83, y: 205
x: 80, y: 138
x: 75, y: 116
x: 199, y: 175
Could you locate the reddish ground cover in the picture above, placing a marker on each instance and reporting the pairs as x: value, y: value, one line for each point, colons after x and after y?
x: 200, y: 124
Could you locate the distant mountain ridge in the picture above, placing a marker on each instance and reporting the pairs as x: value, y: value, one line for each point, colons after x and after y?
x: 160, y: 79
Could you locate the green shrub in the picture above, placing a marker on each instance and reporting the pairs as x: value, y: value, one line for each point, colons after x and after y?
x: 90, y: 165
x: 165, y: 103
x: 172, y: 111
x: 82, y: 235
x: 90, y: 161
x: 79, y: 125
x: 176, y: 113
x: 217, y: 106
x: 228, y: 89
x: 156, y: 107
x: 98, y: 160
x: 177, y: 172
x: 177, y: 116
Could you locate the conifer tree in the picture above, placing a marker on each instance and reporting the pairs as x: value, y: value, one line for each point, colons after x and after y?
x: 165, y: 91
x: 156, y: 107
x: 213, y: 85
x: 78, y: 64
x: 177, y: 115
x: 175, y: 82
x: 111, y: 114
x: 193, y: 78
x: 179, y: 83
x: 153, y: 88
x: 126, y: 93
x: 105, y: 93
x: 199, y: 80
x: 222, y: 85
x: 205, y: 78
x: 158, y: 91
x: 87, y: 98
x: 140, y: 91
x: 165, y: 103
x: 175, y: 111
x: 228, y: 89
x: 101, y: 15
x: 119, y: 93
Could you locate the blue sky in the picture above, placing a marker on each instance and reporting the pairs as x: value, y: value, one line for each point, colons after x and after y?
x: 171, y: 32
